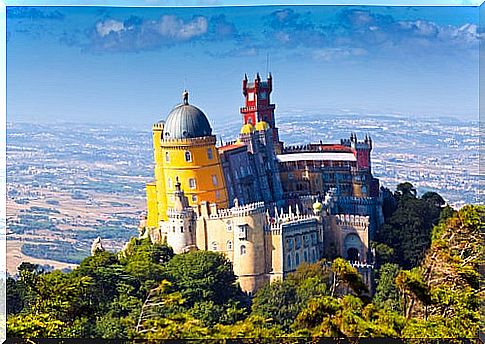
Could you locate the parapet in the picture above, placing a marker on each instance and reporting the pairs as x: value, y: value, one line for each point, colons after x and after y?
x: 242, y: 210
x: 353, y: 220
x: 194, y: 141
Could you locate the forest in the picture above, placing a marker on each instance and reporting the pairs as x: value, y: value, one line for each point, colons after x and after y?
x: 427, y: 285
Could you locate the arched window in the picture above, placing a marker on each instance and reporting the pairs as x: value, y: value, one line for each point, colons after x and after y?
x: 243, y: 250
x: 305, y: 256
x: 229, y: 226
x: 214, y: 180
x: 188, y: 156
x: 229, y: 245
x: 181, y: 229
x: 192, y: 183
x: 297, y: 259
x: 209, y: 153
x: 289, y: 261
x: 167, y: 156
x: 214, y: 246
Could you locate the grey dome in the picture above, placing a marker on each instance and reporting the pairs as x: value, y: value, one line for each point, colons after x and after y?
x: 186, y: 121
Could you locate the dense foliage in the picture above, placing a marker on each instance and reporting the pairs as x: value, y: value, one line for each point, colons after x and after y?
x: 148, y: 292
x: 409, y: 220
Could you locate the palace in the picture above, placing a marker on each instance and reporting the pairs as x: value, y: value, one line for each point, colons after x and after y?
x: 268, y: 207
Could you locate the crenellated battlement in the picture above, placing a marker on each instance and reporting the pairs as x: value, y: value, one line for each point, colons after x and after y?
x: 239, y: 210
x: 283, y: 219
x: 357, y: 200
x: 353, y: 220
x: 297, y: 148
x: 158, y: 125
x: 185, y: 213
x: 182, y: 143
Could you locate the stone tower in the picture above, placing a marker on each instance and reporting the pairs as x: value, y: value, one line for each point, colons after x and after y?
x: 184, y: 150
x: 179, y: 229
x: 258, y: 107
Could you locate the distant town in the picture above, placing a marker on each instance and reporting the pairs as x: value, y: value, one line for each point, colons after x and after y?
x: 68, y: 184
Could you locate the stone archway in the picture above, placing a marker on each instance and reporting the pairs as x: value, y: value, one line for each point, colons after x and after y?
x: 352, y: 247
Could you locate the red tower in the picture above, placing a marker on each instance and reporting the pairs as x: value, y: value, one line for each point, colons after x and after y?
x: 258, y: 106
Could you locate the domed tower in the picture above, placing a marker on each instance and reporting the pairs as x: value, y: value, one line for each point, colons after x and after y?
x: 186, y: 152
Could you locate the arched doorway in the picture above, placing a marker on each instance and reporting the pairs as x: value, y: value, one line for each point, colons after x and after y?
x: 352, y: 247
x: 353, y: 254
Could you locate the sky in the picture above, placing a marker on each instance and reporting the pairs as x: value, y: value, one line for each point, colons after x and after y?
x: 130, y: 65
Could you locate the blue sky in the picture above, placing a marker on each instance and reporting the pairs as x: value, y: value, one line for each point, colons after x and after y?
x: 130, y: 65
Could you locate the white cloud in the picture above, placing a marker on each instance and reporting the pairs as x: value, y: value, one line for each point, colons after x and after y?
x: 104, y: 28
x: 173, y: 27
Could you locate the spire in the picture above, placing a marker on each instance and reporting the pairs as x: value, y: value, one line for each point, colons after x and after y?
x: 245, y: 77
x: 275, y: 212
x: 257, y: 76
x: 185, y: 97
x: 297, y: 210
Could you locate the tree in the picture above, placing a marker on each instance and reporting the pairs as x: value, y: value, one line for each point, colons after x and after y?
x: 202, y: 276
x: 412, y: 288
x: 346, y: 278
x: 387, y: 293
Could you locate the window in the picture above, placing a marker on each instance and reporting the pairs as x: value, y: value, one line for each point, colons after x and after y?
x: 242, y: 232
x: 192, y: 183
x: 214, y: 180
x: 214, y: 246
x: 305, y: 256
x: 229, y: 226
x: 194, y: 198
x: 297, y: 243
x: 289, y: 261
x: 243, y: 250
x: 229, y: 245
x: 250, y: 96
x: 218, y: 194
x: 297, y: 259
x: 173, y: 229
x: 190, y: 228
x: 188, y: 156
x: 170, y: 183
x: 167, y: 156
x: 181, y: 229
x: 209, y: 153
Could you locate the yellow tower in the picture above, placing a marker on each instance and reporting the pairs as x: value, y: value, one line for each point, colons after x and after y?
x: 185, y: 151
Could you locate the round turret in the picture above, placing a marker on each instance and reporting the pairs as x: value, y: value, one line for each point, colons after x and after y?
x: 262, y: 126
x: 186, y: 121
x: 247, y: 129
x: 317, y: 207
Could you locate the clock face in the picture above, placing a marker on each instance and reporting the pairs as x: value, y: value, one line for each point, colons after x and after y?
x: 262, y: 95
x: 250, y: 96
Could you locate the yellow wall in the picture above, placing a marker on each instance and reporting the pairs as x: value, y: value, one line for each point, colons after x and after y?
x: 200, y: 168
x: 152, y: 207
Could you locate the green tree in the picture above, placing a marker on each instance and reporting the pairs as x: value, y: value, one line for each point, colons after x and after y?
x: 387, y: 292
x: 202, y: 276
